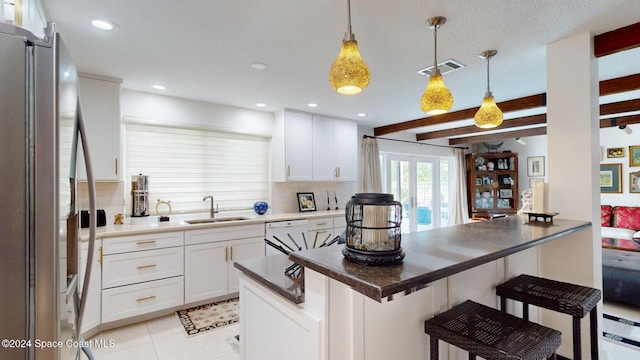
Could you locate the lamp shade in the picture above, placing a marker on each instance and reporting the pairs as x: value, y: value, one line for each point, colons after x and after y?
x: 349, y: 74
x: 437, y: 99
x: 489, y: 115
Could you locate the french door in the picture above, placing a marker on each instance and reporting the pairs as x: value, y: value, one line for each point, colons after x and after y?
x: 421, y: 184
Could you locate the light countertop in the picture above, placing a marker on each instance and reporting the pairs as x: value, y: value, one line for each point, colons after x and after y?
x: 151, y: 224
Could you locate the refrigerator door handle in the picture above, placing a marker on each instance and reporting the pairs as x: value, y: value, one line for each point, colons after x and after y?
x: 92, y: 213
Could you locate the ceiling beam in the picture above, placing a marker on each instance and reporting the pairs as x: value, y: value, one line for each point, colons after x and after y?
x: 606, y: 87
x: 619, y: 121
x: 527, y: 102
x: 510, y: 123
x: 620, y: 85
x: 620, y: 107
x: 617, y: 40
x: 499, y: 136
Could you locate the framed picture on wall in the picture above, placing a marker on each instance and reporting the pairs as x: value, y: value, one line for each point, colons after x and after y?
x: 535, y: 166
x: 634, y: 155
x: 634, y: 182
x: 610, y: 179
x: 306, y: 202
x: 615, y: 152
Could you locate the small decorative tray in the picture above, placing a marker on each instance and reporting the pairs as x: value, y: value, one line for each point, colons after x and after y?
x: 546, y: 217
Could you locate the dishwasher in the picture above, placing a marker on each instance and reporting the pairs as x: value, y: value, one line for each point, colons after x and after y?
x: 291, y: 233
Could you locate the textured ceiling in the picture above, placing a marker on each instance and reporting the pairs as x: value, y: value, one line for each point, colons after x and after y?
x: 203, y: 50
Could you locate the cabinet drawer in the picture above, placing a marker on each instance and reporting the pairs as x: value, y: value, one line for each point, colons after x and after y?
x: 224, y: 233
x: 135, y: 267
x: 320, y: 223
x: 340, y: 222
x: 141, y: 242
x: 127, y: 301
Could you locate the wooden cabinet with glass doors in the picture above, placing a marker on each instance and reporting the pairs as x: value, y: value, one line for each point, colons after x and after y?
x: 492, y: 184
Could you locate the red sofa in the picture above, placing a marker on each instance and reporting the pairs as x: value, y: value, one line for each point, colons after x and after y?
x: 621, y: 253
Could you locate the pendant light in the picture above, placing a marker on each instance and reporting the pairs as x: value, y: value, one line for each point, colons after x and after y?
x: 349, y: 74
x: 437, y: 99
x: 489, y: 115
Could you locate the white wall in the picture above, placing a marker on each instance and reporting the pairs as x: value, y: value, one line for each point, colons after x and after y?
x: 169, y: 110
x: 159, y: 109
x: 615, y: 138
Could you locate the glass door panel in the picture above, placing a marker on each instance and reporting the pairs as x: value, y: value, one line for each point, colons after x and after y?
x: 424, y: 194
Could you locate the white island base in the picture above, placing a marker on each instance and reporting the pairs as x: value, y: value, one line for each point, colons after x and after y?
x: 335, y: 322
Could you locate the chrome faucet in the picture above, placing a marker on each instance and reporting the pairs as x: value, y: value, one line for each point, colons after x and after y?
x: 212, y: 211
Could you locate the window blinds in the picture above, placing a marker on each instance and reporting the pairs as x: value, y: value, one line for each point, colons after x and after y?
x: 184, y: 165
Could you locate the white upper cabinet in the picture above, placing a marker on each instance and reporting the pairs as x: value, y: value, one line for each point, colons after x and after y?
x: 291, y: 146
x: 345, y: 148
x: 100, y: 101
x: 308, y: 147
x: 324, y: 165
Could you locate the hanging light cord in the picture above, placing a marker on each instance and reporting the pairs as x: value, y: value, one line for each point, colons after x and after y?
x: 488, y: 88
x: 349, y: 35
x: 435, y: 47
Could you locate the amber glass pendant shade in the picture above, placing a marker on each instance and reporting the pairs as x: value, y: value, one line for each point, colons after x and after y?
x: 489, y: 115
x: 437, y: 99
x: 349, y: 74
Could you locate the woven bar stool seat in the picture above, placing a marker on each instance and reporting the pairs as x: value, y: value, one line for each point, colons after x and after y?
x: 571, y: 299
x: 491, y: 334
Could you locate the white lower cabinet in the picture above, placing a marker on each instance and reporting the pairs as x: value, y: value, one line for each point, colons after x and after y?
x: 205, y: 271
x: 209, y: 257
x: 142, y: 274
x: 137, y: 299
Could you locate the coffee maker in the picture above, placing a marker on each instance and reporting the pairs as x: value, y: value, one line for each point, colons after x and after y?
x: 139, y: 195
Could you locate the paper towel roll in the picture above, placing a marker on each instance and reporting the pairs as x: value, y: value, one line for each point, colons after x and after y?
x: 541, y: 198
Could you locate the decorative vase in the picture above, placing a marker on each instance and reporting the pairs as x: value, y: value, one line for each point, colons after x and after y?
x: 260, y: 207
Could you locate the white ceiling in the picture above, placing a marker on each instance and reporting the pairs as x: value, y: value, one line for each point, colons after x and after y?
x: 204, y: 49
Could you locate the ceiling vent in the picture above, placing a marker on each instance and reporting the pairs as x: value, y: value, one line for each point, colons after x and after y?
x: 445, y: 67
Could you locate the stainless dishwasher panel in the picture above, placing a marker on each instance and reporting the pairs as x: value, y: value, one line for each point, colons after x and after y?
x: 284, y: 231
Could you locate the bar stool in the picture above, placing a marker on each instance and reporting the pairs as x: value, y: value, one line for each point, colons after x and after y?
x: 491, y: 334
x: 574, y: 300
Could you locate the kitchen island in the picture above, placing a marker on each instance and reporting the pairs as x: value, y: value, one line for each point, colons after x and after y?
x: 349, y: 311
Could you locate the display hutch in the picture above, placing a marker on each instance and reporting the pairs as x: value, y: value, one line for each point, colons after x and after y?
x: 492, y: 184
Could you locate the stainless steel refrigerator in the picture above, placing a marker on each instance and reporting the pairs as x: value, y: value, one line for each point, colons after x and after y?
x: 41, y: 124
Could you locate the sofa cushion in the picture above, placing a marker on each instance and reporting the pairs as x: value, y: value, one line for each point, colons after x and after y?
x: 606, y: 212
x: 617, y: 233
x: 626, y: 217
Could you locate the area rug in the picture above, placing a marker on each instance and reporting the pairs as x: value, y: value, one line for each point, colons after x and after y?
x: 207, y: 317
x: 621, y: 331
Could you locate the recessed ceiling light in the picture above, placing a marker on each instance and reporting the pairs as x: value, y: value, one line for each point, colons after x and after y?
x: 104, y: 25
x: 261, y: 105
x: 312, y: 105
x: 362, y: 114
x: 159, y: 87
x: 259, y: 66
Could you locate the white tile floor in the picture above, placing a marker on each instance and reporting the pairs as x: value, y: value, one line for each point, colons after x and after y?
x: 165, y: 339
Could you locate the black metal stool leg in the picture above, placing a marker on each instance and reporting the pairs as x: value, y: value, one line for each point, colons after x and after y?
x: 503, y: 304
x: 525, y: 311
x: 577, y: 346
x: 472, y: 357
x: 433, y: 348
x: 593, y: 317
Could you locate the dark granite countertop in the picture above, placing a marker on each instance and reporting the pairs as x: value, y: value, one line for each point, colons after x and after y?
x: 430, y: 255
x: 435, y: 254
x: 269, y: 271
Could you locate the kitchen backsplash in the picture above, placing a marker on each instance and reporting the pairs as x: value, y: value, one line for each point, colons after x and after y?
x: 284, y: 198
x: 110, y: 196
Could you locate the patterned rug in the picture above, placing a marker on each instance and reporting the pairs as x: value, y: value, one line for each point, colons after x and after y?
x: 622, y: 331
x: 210, y: 316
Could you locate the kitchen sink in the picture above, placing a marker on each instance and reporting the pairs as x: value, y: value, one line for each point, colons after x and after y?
x: 217, y: 220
